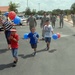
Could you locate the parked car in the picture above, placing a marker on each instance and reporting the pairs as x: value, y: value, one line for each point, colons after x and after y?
x: 38, y: 17
x: 23, y: 20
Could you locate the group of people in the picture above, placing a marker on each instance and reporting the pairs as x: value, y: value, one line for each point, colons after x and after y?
x: 13, y: 38
x: 53, y: 19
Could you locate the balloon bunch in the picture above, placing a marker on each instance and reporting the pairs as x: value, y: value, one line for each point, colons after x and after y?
x: 25, y: 36
x: 56, y: 36
x: 12, y: 16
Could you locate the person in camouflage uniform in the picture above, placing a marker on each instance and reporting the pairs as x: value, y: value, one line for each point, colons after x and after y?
x: 43, y: 21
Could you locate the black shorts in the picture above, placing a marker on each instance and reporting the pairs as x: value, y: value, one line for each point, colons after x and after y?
x: 48, y: 39
x: 34, y: 45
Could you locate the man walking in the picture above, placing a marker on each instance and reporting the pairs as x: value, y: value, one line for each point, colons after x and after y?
x: 61, y: 16
x: 73, y: 19
x: 43, y: 20
x: 53, y: 20
x: 32, y: 21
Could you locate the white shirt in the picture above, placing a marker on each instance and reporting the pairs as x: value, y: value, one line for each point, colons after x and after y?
x: 48, y: 31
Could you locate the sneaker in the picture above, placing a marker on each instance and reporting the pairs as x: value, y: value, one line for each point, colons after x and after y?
x: 14, y: 63
x: 47, y: 48
x: 34, y: 53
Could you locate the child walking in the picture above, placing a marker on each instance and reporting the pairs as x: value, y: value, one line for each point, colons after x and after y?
x: 14, y: 38
x: 34, y: 37
x: 48, y: 31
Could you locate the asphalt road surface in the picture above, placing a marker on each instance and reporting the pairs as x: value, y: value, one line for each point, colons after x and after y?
x: 59, y: 60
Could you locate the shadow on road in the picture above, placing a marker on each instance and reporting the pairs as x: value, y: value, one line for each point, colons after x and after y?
x: 3, y: 51
x: 42, y: 50
x: 30, y: 55
x: 73, y: 35
x: 53, y: 50
x: 25, y: 56
x: 4, y: 66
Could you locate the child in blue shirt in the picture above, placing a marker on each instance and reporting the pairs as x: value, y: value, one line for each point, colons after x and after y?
x: 34, y: 37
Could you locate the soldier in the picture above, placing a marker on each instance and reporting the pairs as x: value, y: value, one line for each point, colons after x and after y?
x: 53, y: 20
x: 43, y: 20
x: 61, y: 16
x: 32, y: 22
x: 73, y: 19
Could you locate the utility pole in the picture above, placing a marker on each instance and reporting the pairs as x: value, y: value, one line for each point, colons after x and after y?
x: 39, y: 6
x: 27, y: 3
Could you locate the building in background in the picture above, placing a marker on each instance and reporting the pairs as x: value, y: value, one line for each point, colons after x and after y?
x: 4, y: 9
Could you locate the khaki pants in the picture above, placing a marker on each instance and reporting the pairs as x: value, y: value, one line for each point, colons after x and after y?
x: 30, y: 27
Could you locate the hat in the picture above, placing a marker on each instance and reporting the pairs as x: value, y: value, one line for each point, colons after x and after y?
x: 13, y: 30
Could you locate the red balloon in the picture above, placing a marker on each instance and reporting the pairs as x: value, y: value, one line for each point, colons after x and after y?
x: 58, y: 35
x: 12, y: 15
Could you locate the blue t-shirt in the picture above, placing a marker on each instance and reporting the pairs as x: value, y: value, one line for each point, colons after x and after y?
x: 33, y: 37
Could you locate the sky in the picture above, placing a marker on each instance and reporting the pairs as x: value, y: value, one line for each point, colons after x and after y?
x: 47, y: 5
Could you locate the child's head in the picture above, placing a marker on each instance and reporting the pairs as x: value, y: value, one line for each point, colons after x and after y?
x: 13, y: 31
x: 47, y: 22
x: 33, y: 29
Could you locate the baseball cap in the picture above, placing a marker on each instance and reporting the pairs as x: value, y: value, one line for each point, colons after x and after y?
x: 13, y: 30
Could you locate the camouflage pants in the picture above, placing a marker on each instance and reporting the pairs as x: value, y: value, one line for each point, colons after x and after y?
x: 30, y: 27
x: 43, y: 32
x: 73, y: 23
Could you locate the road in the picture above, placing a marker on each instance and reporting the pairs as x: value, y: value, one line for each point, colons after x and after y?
x: 60, y: 60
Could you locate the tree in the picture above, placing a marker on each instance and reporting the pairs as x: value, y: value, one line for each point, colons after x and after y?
x: 56, y: 11
x: 73, y: 8
x: 0, y: 12
x: 13, y: 7
x: 34, y: 11
x: 49, y: 12
x: 27, y: 11
x: 67, y: 12
x: 40, y: 12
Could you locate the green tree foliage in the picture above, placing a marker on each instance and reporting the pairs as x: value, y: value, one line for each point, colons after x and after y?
x: 67, y: 12
x: 40, y: 12
x: 56, y: 11
x: 0, y: 12
x: 27, y: 11
x: 13, y: 7
x: 73, y: 8
x: 34, y: 11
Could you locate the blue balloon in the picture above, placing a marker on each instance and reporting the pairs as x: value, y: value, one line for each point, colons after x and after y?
x: 26, y: 36
x: 17, y: 20
x: 55, y: 36
x: 6, y: 13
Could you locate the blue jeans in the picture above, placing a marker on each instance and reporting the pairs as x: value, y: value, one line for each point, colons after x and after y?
x: 7, y: 34
x: 15, y: 52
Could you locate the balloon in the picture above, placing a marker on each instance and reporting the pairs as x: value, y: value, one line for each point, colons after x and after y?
x: 58, y: 35
x: 12, y: 15
x: 26, y: 36
x: 6, y: 13
x: 17, y: 20
x: 54, y: 36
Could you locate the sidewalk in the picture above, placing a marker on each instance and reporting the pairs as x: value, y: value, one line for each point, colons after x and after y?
x: 68, y: 21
